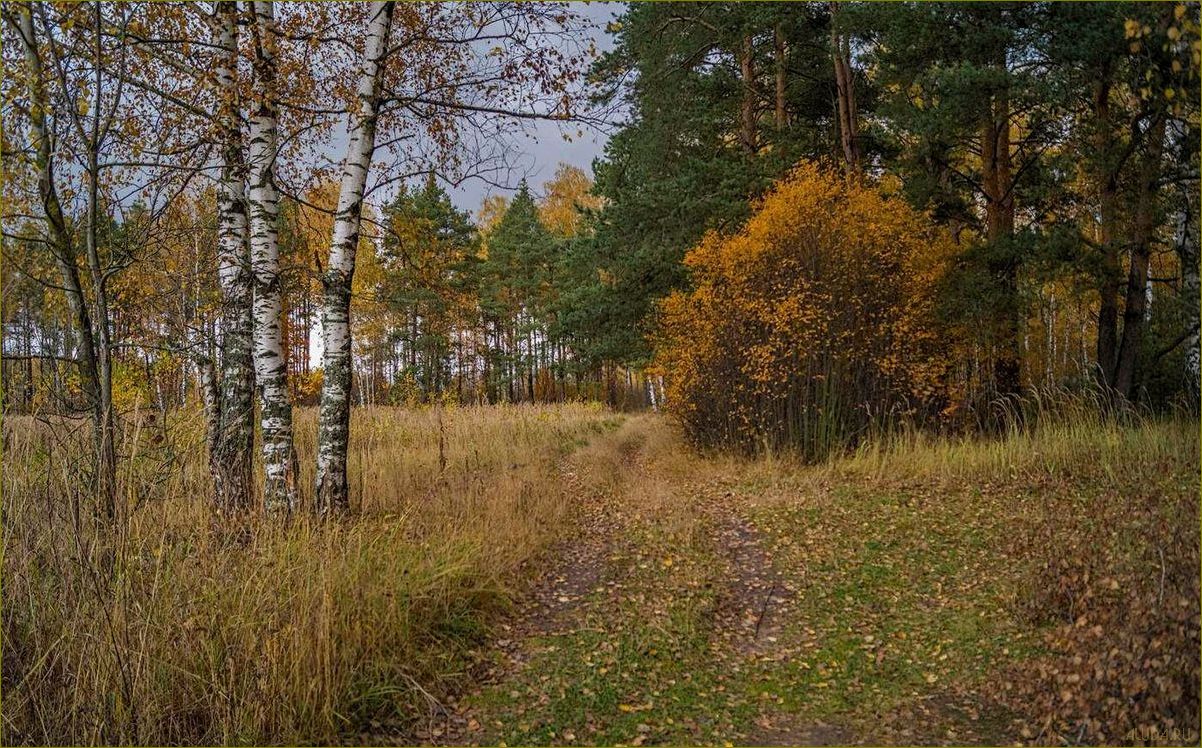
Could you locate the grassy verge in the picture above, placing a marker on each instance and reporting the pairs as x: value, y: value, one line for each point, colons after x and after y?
x: 1049, y: 578
x: 179, y: 628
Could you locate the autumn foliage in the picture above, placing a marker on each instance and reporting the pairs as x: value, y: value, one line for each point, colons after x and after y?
x: 811, y: 324
x: 1113, y: 586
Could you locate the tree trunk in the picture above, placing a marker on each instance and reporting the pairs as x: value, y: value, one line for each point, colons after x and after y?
x: 1188, y: 257
x: 236, y: 442
x: 27, y: 329
x: 997, y: 182
x: 1143, y: 233
x: 1108, y: 291
x: 846, y: 95
x: 271, y: 371
x: 1188, y: 252
x: 61, y: 245
x: 747, y: 104
x: 211, y: 400
x: 778, y: 43
x: 334, y: 425
x: 531, y: 366
x: 106, y: 457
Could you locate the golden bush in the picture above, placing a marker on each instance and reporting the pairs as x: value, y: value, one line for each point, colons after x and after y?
x: 810, y: 324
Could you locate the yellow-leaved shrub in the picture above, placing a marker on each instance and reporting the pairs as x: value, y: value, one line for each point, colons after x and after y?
x: 810, y: 324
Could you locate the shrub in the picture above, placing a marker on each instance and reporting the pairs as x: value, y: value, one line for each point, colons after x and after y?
x: 811, y: 324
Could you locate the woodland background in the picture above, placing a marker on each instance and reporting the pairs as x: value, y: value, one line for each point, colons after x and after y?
x: 1048, y: 153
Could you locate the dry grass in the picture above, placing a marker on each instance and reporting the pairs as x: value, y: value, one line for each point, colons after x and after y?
x: 1050, y: 433
x: 180, y: 628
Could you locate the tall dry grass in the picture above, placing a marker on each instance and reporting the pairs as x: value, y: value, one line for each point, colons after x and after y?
x: 176, y: 626
x: 1050, y: 431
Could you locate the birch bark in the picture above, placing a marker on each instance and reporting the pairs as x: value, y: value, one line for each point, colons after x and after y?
x: 334, y: 419
x: 1190, y: 288
x: 271, y: 375
x: 236, y: 433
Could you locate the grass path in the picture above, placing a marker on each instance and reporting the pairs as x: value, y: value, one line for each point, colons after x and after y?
x: 667, y: 618
x: 705, y: 600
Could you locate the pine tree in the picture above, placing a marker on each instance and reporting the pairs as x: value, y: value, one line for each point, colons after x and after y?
x: 515, y: 280
x: 428, y: 248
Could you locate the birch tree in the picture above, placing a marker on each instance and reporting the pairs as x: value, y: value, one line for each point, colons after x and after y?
x: 102, y: 151
x: 271, y: 373
x: 60, y: 241
x: 334, y: 419
x: 85, y: 126
x: 235, y: 440
x: 93, y: 140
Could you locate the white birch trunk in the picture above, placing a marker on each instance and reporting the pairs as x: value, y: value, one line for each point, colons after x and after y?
x: 1188, y: 245
x: 334, y: 425
x: 236, y: 435
x: 271, y: 374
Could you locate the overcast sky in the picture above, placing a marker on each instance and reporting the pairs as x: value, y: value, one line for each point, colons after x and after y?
x: 543, y: 148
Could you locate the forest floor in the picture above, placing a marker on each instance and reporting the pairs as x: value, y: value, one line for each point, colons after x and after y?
x: 710, y: 600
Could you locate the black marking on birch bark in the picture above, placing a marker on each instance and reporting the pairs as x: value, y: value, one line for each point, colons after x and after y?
x: 279, y: 469
x: 235, y: 442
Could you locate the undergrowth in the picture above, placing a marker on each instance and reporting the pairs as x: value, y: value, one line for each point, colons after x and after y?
x: 1038, y: 585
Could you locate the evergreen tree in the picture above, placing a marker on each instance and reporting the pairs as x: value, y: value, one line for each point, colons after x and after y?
x: 723, y: 98
x: 515, y: 283
x: 428, y: 249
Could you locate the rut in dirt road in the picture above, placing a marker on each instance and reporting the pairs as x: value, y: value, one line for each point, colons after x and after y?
x: 596, y: 584
x: 756, y: 598
x: 560, y: 598
x: 755, y: 606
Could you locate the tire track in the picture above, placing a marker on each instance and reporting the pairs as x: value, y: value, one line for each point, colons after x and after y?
x: 577, y: 568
